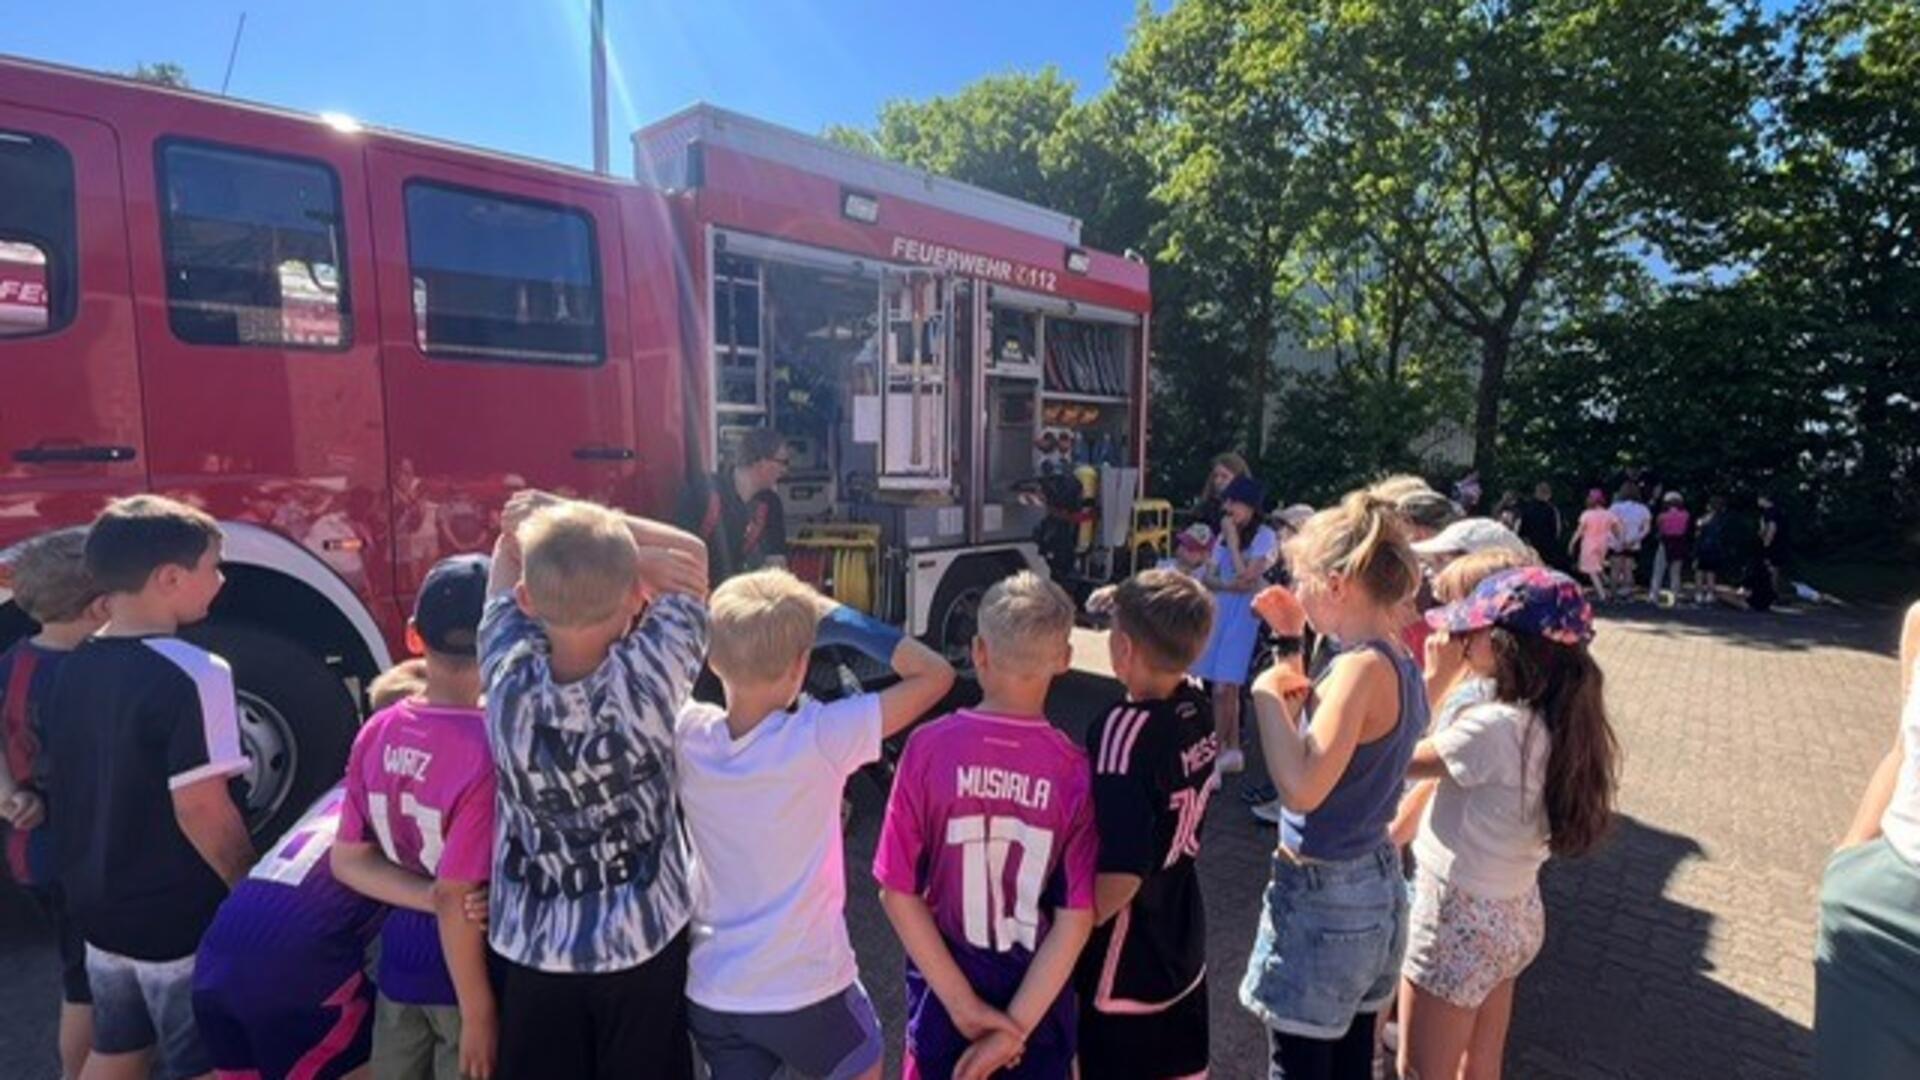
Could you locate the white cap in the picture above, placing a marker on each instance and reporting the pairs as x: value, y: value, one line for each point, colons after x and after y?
x: 1294, y: 516
x: 1468, y: 535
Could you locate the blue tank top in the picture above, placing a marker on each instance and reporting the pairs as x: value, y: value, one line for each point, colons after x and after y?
x: 1353, y: 818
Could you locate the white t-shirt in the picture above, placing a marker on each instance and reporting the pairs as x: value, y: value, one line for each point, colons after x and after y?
x: 1635, y: 520
x: 1901, y: 822
x: 1486, y: 829
x: 769, y: 877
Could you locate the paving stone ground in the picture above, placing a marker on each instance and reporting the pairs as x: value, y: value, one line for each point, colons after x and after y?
x: 1683, y: 949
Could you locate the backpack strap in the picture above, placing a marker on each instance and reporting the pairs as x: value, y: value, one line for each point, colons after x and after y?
x: 21, y: 746
x: 16, y: 727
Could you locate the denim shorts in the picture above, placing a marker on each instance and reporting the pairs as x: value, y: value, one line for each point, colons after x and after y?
x: 1329, y: 945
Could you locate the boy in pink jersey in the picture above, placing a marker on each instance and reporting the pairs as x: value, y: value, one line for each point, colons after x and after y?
x: 986, y: 860
x: 280, y: 988
x: 420, y: 798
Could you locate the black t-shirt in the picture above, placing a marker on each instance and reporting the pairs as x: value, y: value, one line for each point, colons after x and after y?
x: 1539, y: 525
x: 1782, y: 536
x: 740, y: 535
x: 159, y: 714
x: 1152, y: 776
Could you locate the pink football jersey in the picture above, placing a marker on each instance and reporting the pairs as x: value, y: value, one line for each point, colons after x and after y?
x: 991, y: 822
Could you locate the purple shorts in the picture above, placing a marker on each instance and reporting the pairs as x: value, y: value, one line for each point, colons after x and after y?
x: 270, y: 1040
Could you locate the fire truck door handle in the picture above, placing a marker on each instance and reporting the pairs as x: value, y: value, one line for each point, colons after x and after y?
x: 52, y: 455
x: 604, y: 453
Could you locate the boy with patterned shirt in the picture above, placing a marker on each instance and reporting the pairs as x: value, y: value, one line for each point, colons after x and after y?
x: 986, y: 859
x: 590, y: 899
x: 772, y: 978
x: 49, y: 579
x: 1142, y: 979
x: 419, y: 799
x: 149, y: 835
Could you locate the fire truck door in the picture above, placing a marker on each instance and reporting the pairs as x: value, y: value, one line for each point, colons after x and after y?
x: 505, y: 349
x: 71, y: 435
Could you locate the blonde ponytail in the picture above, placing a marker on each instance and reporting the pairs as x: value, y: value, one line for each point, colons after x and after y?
x: 1362, y: 540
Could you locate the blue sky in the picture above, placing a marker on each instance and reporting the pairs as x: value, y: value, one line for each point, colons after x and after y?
x: 515, y: 78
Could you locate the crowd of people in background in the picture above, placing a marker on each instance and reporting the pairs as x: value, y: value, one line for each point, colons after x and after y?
x: 1630, y: 539
x: 1642, y: 540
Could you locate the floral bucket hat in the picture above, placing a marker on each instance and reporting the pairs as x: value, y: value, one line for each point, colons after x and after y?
x: 1529, y: 600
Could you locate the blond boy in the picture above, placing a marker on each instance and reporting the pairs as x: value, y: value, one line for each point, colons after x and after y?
x: 986, y: 860
x: 772, y: 980
x: 590, y: 898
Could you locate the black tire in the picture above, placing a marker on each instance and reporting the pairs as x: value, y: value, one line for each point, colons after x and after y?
x: 297, y: 721
x: 953, y: 619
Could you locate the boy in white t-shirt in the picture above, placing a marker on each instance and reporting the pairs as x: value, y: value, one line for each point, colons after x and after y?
x: 772, y: 979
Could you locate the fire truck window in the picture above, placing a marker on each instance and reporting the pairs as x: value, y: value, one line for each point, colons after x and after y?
x: 498, y: 278
x: 254, y: 249
x: 38, y: 271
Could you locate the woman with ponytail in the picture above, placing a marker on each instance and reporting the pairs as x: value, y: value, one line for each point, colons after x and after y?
x: 1326, y: 959
x: 1528, y: 771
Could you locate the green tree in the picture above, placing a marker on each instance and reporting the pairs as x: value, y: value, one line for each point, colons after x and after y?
x: 990, y: 133
x: 1709, y: 386
x: 1835, y: 233
x: 162, y: 73
x: 1515, y: 156
x: 1225, y: 151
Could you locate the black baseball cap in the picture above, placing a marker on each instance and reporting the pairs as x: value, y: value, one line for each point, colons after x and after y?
x: 447, y: 611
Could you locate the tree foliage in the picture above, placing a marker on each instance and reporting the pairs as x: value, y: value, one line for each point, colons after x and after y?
x: 162, y: 73
x: 1512, y: 158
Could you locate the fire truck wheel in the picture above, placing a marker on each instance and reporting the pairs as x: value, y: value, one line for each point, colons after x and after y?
x: 956, y: 608
x: 297, y: 722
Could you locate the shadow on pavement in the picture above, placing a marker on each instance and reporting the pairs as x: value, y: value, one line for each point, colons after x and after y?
x: 1624, y: 987
x: 29, y: 988
x: 1786, y: 629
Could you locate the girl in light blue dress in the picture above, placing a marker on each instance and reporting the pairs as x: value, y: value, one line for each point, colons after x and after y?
x: 1246, y: 548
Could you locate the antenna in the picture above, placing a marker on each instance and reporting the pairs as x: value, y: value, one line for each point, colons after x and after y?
x: 233, y: 53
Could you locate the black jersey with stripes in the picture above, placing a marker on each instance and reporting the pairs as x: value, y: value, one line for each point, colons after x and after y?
x: 159, y: 715
x: 1153, y: 772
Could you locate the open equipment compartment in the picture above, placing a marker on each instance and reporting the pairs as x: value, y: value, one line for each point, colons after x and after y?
x: 959, y: 383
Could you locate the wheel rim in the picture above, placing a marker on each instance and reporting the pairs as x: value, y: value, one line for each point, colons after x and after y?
x: 958, y: 628
x: 266, y: 738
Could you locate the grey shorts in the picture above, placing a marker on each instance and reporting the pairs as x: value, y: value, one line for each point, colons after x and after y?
x: 415, y: 1042
x: 146, y: 1004
x: 835, y: 1039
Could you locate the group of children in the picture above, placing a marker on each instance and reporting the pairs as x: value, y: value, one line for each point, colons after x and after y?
x: 572, y: 868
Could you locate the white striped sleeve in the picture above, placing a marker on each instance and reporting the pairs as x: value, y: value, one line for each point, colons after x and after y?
x: 1117, y: 739
x: 204, y: 742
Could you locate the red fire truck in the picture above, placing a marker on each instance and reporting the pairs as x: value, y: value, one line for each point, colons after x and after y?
x: 350, y: 345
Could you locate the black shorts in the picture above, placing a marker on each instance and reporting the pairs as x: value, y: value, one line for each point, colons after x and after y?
x: 597, y: 1025
x: 73, y: 948
x: 1146, y: 1046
